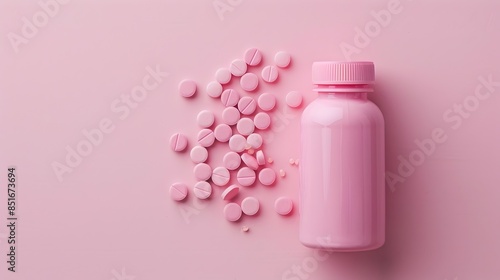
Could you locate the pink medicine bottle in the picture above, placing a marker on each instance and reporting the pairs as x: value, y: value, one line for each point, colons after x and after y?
x: 342, y: 194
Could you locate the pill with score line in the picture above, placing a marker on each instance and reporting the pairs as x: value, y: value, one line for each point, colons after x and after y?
x: 245, y: 176
x: 220, y: 176
x: 253, y: 56
x: 269, y: 73
x: 202, y: 189
x: 178, y: 142
x: 206, y: 137
x: 178, y: 191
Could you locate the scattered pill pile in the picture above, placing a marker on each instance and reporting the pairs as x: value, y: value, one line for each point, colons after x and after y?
x: 242, y: 119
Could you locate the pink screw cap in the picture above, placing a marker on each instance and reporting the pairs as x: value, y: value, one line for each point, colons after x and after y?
x: 342, y: 73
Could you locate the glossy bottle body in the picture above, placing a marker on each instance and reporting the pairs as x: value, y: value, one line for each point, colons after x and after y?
x: 342, y: 193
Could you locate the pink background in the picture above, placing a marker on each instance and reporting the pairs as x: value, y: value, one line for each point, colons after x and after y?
x: 111, y: 218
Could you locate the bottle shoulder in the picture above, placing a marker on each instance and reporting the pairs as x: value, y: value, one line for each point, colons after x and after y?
x: 326, y: 111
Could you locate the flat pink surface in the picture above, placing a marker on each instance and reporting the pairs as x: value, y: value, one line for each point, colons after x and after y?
x: 111, y: 217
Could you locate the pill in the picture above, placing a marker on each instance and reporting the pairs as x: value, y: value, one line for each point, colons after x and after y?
x: 231, y: 160
x: 220, y: 176
x: 178, y: 142
x: 230, y: 192
x: 245, y: 228
x: 254, y: 140
x: 237, y: 143
x: 291, y: 161
x: 250, y: 206
x: 296, y: 161
x: 293, y: 99
x: 178, y: 191
x: 198, y: 154
x: 214, y: 89
x: 202, y: 189
x: 245, y: 126
x: 205, y: 118
x: 250, y: 161
x: 269, y: 73
x: 223, y: 76
x: 270, y: 160
x: 267, y: 176
x: 282, y: 173
x: 249, y: 82
x: 238, y: 67
x: 253, y: 56
x: 232, y: 212
x: 230, y: 97
x: 266, y: 101
x: 245, y: 176
x: 230, y: 115
x: 247, y: 105
x: 223, y: 132
x: 283, y: 205
x: 262, y: 120
x: 206, y: 137
x: 187, y: 88
x: 202, y: 171
x: 282, y: 59
x: 261, y: 159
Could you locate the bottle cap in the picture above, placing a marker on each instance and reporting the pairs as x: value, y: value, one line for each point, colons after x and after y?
x: 343, y: 73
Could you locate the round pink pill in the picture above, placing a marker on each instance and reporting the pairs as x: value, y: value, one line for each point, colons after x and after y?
x: 205, y: 118
x: 198, y: 154
x: 230, y: 192
x: 282, y: 59
x: 254, y: 140
x: 262, y: 120
x: 232, y: 212
x: 178, y: 142
x: 223, y: 132
x: 214, y: 89
x: 202, y: 171
x: 230, y: 97
x: 269, y: 73
x: 250, y: 161
x: 202, y: 190
x: 245, y: 176
x: 238, y: 67
x: 283, y: 205
x: 261, y: 159
x: 220, y: 176
x: 230, y: 115
x: 293, y: 99
x: 266, y: 101
x: 247, y: 105
x: 250, y: 206
x: 245, y: 126
x: 253, y: 56
x: 237, y: 143
x: 187, y: 88
x: 267, y: 176
x: 231, y: 160
x: 249, y: 82
x: 178, y: 191
x: 223, y: 76
x: 206, y: 137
